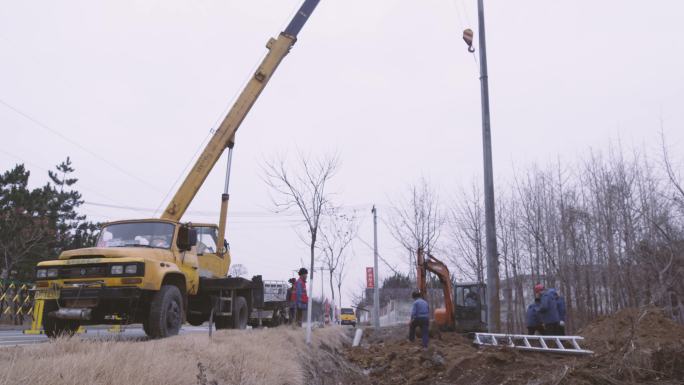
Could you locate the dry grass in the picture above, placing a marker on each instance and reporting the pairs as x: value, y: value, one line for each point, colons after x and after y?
x: 273, y: 356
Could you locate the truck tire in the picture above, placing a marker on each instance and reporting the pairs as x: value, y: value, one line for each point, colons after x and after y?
x: 240, y: 313
x: 166, y: 312
x: 55, y: 327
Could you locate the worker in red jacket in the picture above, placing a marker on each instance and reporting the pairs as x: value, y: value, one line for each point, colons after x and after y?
x: 301, y: 299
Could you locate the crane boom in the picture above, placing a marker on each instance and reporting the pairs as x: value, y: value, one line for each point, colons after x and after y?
x: 224, y: 135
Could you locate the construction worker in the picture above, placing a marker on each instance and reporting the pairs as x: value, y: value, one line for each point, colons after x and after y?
x: 291, y: 300
x: 533, y: 318
x: 471, y: 300
x: 420, y: 317
x: 548, y: 309
x: 301, y: 299
x: 560, y: 303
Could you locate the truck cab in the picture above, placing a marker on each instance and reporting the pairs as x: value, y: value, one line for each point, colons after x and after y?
x: 122, y: 278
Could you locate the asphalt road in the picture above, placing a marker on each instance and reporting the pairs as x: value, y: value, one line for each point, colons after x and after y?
x: 130, y: 333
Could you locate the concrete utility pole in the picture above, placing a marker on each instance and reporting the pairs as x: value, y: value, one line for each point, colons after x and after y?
x: 493, y: 306
x: 376, y: 284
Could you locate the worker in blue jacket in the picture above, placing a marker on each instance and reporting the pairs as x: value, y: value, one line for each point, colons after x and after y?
x: 420, y: 317
x: 548, y: 310
x: 560, y: 303
x: 533, y: 318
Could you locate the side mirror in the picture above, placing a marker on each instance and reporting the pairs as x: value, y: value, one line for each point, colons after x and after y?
x: 187, y: 238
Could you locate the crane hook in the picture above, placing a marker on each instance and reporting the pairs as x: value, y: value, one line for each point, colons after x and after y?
x: 468, y: 38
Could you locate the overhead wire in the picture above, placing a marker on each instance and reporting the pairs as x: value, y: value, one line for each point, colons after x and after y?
x: 81, y: 186
x: 33, y: 164
x: 76, y: 144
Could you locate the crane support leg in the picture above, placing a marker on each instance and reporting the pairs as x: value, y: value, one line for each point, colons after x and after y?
x: 225, y: 197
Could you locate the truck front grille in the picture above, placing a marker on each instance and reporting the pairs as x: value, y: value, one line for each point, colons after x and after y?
x: 84, y: 271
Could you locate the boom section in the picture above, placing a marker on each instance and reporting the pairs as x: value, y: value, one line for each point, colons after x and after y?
x: 223, y: 137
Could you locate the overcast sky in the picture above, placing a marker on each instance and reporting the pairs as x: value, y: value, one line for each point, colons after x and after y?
x: 130, y: 89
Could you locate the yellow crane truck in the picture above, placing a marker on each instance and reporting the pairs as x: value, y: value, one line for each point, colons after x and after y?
x: 162, y: 272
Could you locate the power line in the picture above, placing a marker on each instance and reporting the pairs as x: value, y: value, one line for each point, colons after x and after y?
x: 81, y: 185
x: 73, y: 142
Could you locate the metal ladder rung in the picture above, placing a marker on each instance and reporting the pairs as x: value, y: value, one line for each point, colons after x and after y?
x: 575, y: 345
x: 527, y: 343
x: 559, y: 344
x: 522, y: 342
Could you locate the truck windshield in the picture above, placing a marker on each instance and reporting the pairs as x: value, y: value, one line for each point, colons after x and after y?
x: 137, y: 234
x: 346, y: 310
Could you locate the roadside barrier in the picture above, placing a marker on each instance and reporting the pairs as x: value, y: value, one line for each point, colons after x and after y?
x: 16, y: 302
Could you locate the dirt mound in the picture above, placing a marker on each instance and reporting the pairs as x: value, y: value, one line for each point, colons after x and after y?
x: 636, y: 345
x: 632, y: 346
x: 450, y: 359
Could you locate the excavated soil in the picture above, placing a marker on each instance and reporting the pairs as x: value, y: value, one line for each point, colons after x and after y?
x: 634, y: 346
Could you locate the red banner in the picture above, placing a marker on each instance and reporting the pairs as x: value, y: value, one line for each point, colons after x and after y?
x: 370, y: 281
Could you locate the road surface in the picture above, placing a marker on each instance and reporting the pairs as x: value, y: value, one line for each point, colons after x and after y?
x: 130, y: 333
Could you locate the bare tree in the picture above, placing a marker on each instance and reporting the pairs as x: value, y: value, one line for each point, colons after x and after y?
x: 238, y: 270
x: 337, y: 233
x: 417, y: 221
x: 303, y: 186
x: 466, y: 234
x: 672, y: 175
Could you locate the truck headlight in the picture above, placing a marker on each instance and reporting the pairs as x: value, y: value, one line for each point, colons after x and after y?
x: 117, y: 269
x: 131, y: 269
x: 52, y: 273
x: 41, y: 273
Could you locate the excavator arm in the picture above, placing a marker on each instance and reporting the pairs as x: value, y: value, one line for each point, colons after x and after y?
x: 224, y: 136
x: 443, y: 316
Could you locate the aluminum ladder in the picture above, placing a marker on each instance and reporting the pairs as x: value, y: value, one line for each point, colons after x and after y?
x: 554, y: 344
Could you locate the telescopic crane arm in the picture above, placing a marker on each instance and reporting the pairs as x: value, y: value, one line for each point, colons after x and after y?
x: 224, y: 135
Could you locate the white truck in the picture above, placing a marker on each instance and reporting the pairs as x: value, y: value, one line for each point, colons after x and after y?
x: 275, y: 308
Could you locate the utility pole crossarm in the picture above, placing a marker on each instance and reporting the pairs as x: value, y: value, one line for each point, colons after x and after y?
x: 223, y: 137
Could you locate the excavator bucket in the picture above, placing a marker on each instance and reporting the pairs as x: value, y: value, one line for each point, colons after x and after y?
x: 442, y: 318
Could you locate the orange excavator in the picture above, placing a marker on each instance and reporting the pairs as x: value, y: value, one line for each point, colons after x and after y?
x: 463, y: 313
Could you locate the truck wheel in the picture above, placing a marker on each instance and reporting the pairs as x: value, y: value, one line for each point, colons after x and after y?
x: 55, y: 327
x: 166, y: 312
x: 240, y: 313
x: 60, y: 328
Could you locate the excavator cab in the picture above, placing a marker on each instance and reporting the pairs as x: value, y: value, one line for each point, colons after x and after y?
x: 471, y: 307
